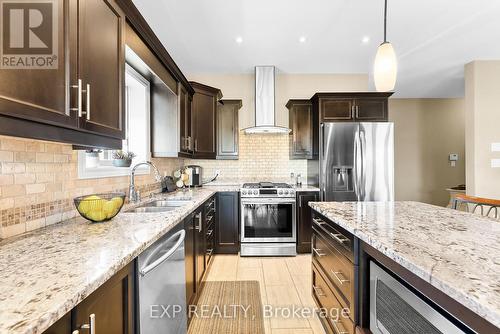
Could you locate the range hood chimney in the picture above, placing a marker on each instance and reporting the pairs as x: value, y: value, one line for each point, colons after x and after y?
x: 265, y: 109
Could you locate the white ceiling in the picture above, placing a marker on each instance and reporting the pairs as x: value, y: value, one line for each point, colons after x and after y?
x: 433, y: 39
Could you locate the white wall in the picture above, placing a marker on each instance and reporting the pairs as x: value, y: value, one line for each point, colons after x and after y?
x: 482, y: 93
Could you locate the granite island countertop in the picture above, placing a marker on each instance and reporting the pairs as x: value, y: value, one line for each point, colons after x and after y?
x: 47, y: 272
x: 456, y: 252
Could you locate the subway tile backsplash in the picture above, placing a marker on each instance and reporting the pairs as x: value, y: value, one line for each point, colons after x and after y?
x: 39, y: 180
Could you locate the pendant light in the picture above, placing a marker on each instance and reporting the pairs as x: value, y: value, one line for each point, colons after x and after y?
x: 385, y: 69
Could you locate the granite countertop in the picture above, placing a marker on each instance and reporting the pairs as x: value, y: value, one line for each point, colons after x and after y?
x: 456, y: 252
x: 47, y: 272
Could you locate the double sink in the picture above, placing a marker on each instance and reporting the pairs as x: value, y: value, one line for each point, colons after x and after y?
x: 160, y: 206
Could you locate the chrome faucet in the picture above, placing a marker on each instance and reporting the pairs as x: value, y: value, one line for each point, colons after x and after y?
x: 134, y: 195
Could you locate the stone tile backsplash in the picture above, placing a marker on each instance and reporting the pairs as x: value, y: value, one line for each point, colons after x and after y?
x: 39, y: 180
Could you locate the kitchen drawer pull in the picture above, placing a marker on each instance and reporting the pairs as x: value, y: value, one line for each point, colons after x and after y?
x: 318, y: 222
x: 337, y: 275
x: 338, y: 327
x: 209, y: 252
x: 318, y: 291
x: 209, y: 233
x: 91, y: 325
x: 317, y: 251
x: 339, y: 237
x: 76, y: 331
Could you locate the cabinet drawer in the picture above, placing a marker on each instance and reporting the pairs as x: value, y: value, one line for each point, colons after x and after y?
x: 336, y: 267
x: 325, y: 298
x: 343, y: 242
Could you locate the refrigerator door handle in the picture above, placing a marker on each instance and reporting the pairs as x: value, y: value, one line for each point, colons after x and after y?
x: 356, y: 164
x: 362, y: 179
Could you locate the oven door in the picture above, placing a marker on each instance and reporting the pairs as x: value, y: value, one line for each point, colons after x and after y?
x: 268, y: 220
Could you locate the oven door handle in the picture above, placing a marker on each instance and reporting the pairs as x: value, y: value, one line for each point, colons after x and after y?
x: 267, y: 201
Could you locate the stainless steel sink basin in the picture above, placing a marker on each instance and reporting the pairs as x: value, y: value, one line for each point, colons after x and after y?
x: 160, y: 206
x: 151, y: 209
x: 170, y: 203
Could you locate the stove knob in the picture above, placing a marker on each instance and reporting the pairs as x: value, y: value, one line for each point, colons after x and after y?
x: 285, y: 192
x: 280, y: 192
x: 255, y: 192
x: 243, y: 192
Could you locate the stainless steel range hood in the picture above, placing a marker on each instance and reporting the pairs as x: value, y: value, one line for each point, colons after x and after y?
x: 265, y: 109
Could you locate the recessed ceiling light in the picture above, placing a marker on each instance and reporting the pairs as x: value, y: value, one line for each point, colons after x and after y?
x: 239, y: 39
x: 302, y: 39
x: 365, y: 39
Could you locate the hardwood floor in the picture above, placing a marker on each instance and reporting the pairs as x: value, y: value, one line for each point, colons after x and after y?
x: 284, y: 282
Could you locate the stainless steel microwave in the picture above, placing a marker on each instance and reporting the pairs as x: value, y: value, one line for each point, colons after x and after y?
x: 394, y: 309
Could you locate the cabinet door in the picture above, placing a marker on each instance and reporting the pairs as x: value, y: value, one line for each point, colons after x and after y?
x: 44, y: 95
x: 112, y: 305
x: 336, y: 109
x: 304, y: 220
x: 204, y: 130
x: 228, y: 129
x: 184, y: 120
x: 62, y: 326
x: 227, y: 223
x: 102, y: 66
x: 200, y: 249
x: 301, y: 146
x: 189, y: 259
x: 371, y: 109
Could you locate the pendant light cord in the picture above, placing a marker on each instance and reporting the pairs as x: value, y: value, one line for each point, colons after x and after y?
x: 385, y: 22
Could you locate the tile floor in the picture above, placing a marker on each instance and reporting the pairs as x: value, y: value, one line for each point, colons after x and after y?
x: 283, y: 281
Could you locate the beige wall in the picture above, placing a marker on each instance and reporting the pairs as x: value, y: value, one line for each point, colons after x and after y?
x: 426, y: 132
x: 482, y: 90
x: 288, y: 86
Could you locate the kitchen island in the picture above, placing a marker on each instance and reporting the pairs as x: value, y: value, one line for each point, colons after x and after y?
x: 452, y: 253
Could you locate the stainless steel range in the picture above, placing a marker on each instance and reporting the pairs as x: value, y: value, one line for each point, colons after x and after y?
x: 268, y: 223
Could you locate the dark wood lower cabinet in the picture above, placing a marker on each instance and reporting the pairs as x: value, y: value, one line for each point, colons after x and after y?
x: 112, y: 308
x: 227, y: 224
x: 304, y: 220
x: 189, y: 251
x: 112, y: 305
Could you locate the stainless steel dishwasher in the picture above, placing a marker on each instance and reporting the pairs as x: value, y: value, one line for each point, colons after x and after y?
x: 161, y: 285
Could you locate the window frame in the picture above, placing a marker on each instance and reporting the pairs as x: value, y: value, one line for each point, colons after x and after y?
x: 107, y: 169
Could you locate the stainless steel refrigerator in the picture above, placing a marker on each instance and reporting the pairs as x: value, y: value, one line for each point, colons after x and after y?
x: 356, y: 161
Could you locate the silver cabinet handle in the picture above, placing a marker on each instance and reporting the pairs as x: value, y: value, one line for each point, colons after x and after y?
x: 339, y: 237
x: 337, y: 275
x: 87, y: 113
x: 209, y: 233
x: 357, y: 111
x: 76, y: 331
x: 317, y: 251
x: 200, y: 220
x: 78, y: 87
x: 318, y: 222
x: 196, y: 145
x: 91, y: 325
x: 210, y: 251
x: 318, y: 291
x: 352, y: 111
x: 338, y: 327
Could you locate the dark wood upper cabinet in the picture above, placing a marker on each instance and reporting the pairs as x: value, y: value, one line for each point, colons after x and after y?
x: 102, y: 66
x: 351, y: 107
x: 300, y: 122
x: 185, y: 126
x: 204, y: 120
x: 304, y: 220
x: 371, y: 109
x: 228, y: 129
x: 227, y: 239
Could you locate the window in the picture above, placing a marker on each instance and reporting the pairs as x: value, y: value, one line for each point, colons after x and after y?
x: 137, y: 115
